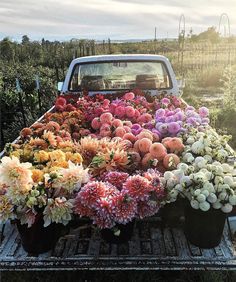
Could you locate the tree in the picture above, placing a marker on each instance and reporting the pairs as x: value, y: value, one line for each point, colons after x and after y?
x: 7, y: 50
x: 25, y: 40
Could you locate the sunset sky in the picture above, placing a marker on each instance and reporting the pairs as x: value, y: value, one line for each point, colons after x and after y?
x: 117, y: 19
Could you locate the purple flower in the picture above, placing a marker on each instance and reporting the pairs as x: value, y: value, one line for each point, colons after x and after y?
x: 205, y: 120
x: 190, y: 113
x: 163, y: 128
x: 160, y: 113
x: 176, y: 101
x: 169, y: 119
x: 174, y: 127
x: 165, y: 101
x: 179, y: 116
x: 192, y: 121
x: 190, y: 108
x: 203, y: 112
x: 136, y: 126
x: 170, y: 113
x: 177, y: 110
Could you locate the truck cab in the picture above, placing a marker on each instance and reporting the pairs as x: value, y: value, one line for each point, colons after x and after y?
x: 108, y: 74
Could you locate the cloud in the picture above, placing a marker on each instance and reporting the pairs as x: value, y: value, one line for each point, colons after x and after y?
x: 117, y: 19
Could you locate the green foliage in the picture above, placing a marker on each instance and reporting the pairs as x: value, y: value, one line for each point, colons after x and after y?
x: 229, y: 87
x: 209, y: 35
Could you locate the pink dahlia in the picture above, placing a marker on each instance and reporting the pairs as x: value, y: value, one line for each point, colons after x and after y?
x: 103, y: 220
x: 120, y: 111
x: 116, y: 178
x: 81, y: 209
x: 124, y: 208
x: 130, y: 111
x: 147, y: 208
x: 165, y: 101
x: 90, y: 192
x: 138, y: 187
x: 129, y: 96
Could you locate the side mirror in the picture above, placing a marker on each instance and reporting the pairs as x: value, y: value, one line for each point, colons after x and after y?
x: 59, y: 86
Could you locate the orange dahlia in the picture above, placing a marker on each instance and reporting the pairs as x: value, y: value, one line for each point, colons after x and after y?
x: 50, y: 138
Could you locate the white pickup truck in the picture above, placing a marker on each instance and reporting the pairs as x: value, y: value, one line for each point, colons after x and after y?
x: 153, y: 246
x: 114, y: 73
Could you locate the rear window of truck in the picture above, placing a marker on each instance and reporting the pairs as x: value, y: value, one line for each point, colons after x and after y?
x: 119, y: 75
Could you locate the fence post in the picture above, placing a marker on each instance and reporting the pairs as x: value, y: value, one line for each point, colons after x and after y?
x: 19, y: 91
x: 39, y: 94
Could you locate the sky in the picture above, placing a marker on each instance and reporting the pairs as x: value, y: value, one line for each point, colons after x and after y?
x: 114, y: 19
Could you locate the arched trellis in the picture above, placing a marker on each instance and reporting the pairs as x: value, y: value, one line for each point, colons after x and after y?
x: 222, y: 16
x: 181, y: 41
x: 226, y: 28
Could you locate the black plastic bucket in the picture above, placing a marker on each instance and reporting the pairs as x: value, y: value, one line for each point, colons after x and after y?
x: 38, y: 239
x: 204, y: 229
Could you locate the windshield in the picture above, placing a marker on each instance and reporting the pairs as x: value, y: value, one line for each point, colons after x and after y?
x: 118, y: 75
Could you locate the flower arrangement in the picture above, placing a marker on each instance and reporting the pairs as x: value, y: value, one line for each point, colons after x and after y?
x: 119, y: 198
x: 205, y: 185
x: 125, y: 145
x: 26, y: 191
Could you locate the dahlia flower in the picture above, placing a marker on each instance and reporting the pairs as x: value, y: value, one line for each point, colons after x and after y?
x: 50, y: 138
x: 116, y: 178
x: 14, y: 173
x: 58, y: 210
x: 71, y: 178
x: 138, y: 187
x: 147, y: 208
x: 88, y: 148
x: 26, y: 215
x: 124, y: 208
x: 6, y: 209
x: 41, y: 156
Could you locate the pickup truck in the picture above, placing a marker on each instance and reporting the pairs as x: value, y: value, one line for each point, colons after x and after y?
x: 153, y: 246
x: 109, y: 74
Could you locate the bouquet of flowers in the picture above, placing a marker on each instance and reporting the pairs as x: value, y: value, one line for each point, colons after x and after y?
x: 120, y: 198
x: 205, y: 185
x: 26, y: 191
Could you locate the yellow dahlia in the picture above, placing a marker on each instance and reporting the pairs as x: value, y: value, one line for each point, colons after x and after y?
x: 66, y: 145
x: 74, y: 157
x: 37, y: 175
x: 18, y: 153
x: 41, y: 156
x: 57, y: 155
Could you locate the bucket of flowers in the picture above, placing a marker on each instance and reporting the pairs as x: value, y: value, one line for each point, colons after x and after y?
x: 39, y: 198
x: 114, y: 202
x: 210, y: 192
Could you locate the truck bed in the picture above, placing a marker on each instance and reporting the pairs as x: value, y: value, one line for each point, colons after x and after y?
x: 152, y: 247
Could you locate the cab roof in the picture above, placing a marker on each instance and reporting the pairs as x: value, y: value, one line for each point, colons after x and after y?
x: 133, y: 57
